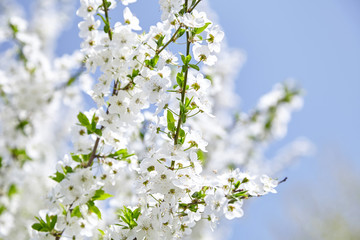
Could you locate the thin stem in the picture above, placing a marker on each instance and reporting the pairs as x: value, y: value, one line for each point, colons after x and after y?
x: 192, y: 8
x: 107, y: 18
x: 177, y: 30
x: 183, y: 90
x: 93, y: 152
x: 168, y: 42
x: 195, y: 114
x: 284, y: 180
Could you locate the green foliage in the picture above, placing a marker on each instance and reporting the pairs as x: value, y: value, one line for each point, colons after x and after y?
x: 180, y: 33
x: 200, y: 194
x: 45, y: 226
x: 12, y: 190
x: 101, y: 232
x: 171, y: 121
x: 2, y: 209
x: 75, y: 212
x: 120, y: 155
x: 159, y: 40
x: 134, y: 74
x: 186, y: 60
x: 20, y: 155
x: 21, y: 126
x: 152, y: 62
x: 201, y: 29
x: 201, y: 156
x: 101, y: 195
x: 180, y: 79
x: 93, y: 208
x: 81, y: 158
x: 90, y: 127
x: 58, y: 177
x: 196, y: 67
x: 129, y: 217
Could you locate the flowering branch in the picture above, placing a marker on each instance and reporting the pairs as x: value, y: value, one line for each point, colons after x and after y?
x: 144, y: 146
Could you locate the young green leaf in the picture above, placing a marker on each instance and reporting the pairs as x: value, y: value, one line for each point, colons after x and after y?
x: 93, y: 208
x: 58, y: 177
x: 76, y: 212
x: 84, y: 121
x: 196, y: 67
x: 201, y: 29
x: 171, y: 121
x: 101, y: 195
x: 12, y: 190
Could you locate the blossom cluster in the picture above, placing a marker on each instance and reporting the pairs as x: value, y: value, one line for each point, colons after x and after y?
x: 159, y: 154
x: 138, y: 71
x: 35, y: 91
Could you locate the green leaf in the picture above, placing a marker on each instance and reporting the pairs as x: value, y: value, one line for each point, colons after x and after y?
x: 53, y: 222
x: 2, y: 209
x: 38, y: 227
x: 170, y: 121
x: 182, y: 136
x: 182, y: 58
x: 155, y: 60
x: 180, y: 79
x: 93, y: 208
x: 180, y: 33
x: 93, y: 122
x: 1, y: 159
x: 84, y: 121
x: 201, y: 156
x: 76, y: 212
x: 47, y: 219
x: 98, y: 132
x: 14, y: 28
x: 201, y: 29
x: 47, y: 226
x: 134, y: 74
x: 245, y: 180
x: 21, y: 125
x: 129, y: 217
x: 196, y: 195
x: 196, y: 67
x: 76, y: 158
x: 188, y: 59
x: 136, y: 213
x: 121, y: 154
x: 67, y: 169
x: 159, y: 42
x: 70, y: 81
x: 58, y: 177
x: 101, y: 232
x: 237, y: 184
x: 12, y: 190
x: 64, y: 212
x: 241, y: 194
x: 20, y: 155
x: 152, y: 62
x: 101, y: 195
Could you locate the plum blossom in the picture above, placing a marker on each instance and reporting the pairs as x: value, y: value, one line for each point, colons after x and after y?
x: 151, y: 160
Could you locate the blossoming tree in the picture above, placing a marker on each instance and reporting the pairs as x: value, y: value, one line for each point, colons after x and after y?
x: 164, y: 153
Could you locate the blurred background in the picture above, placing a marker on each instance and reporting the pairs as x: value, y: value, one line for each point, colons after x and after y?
x: 317, y: 43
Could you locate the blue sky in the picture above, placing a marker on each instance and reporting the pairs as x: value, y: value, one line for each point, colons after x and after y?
x: 316, y: 42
